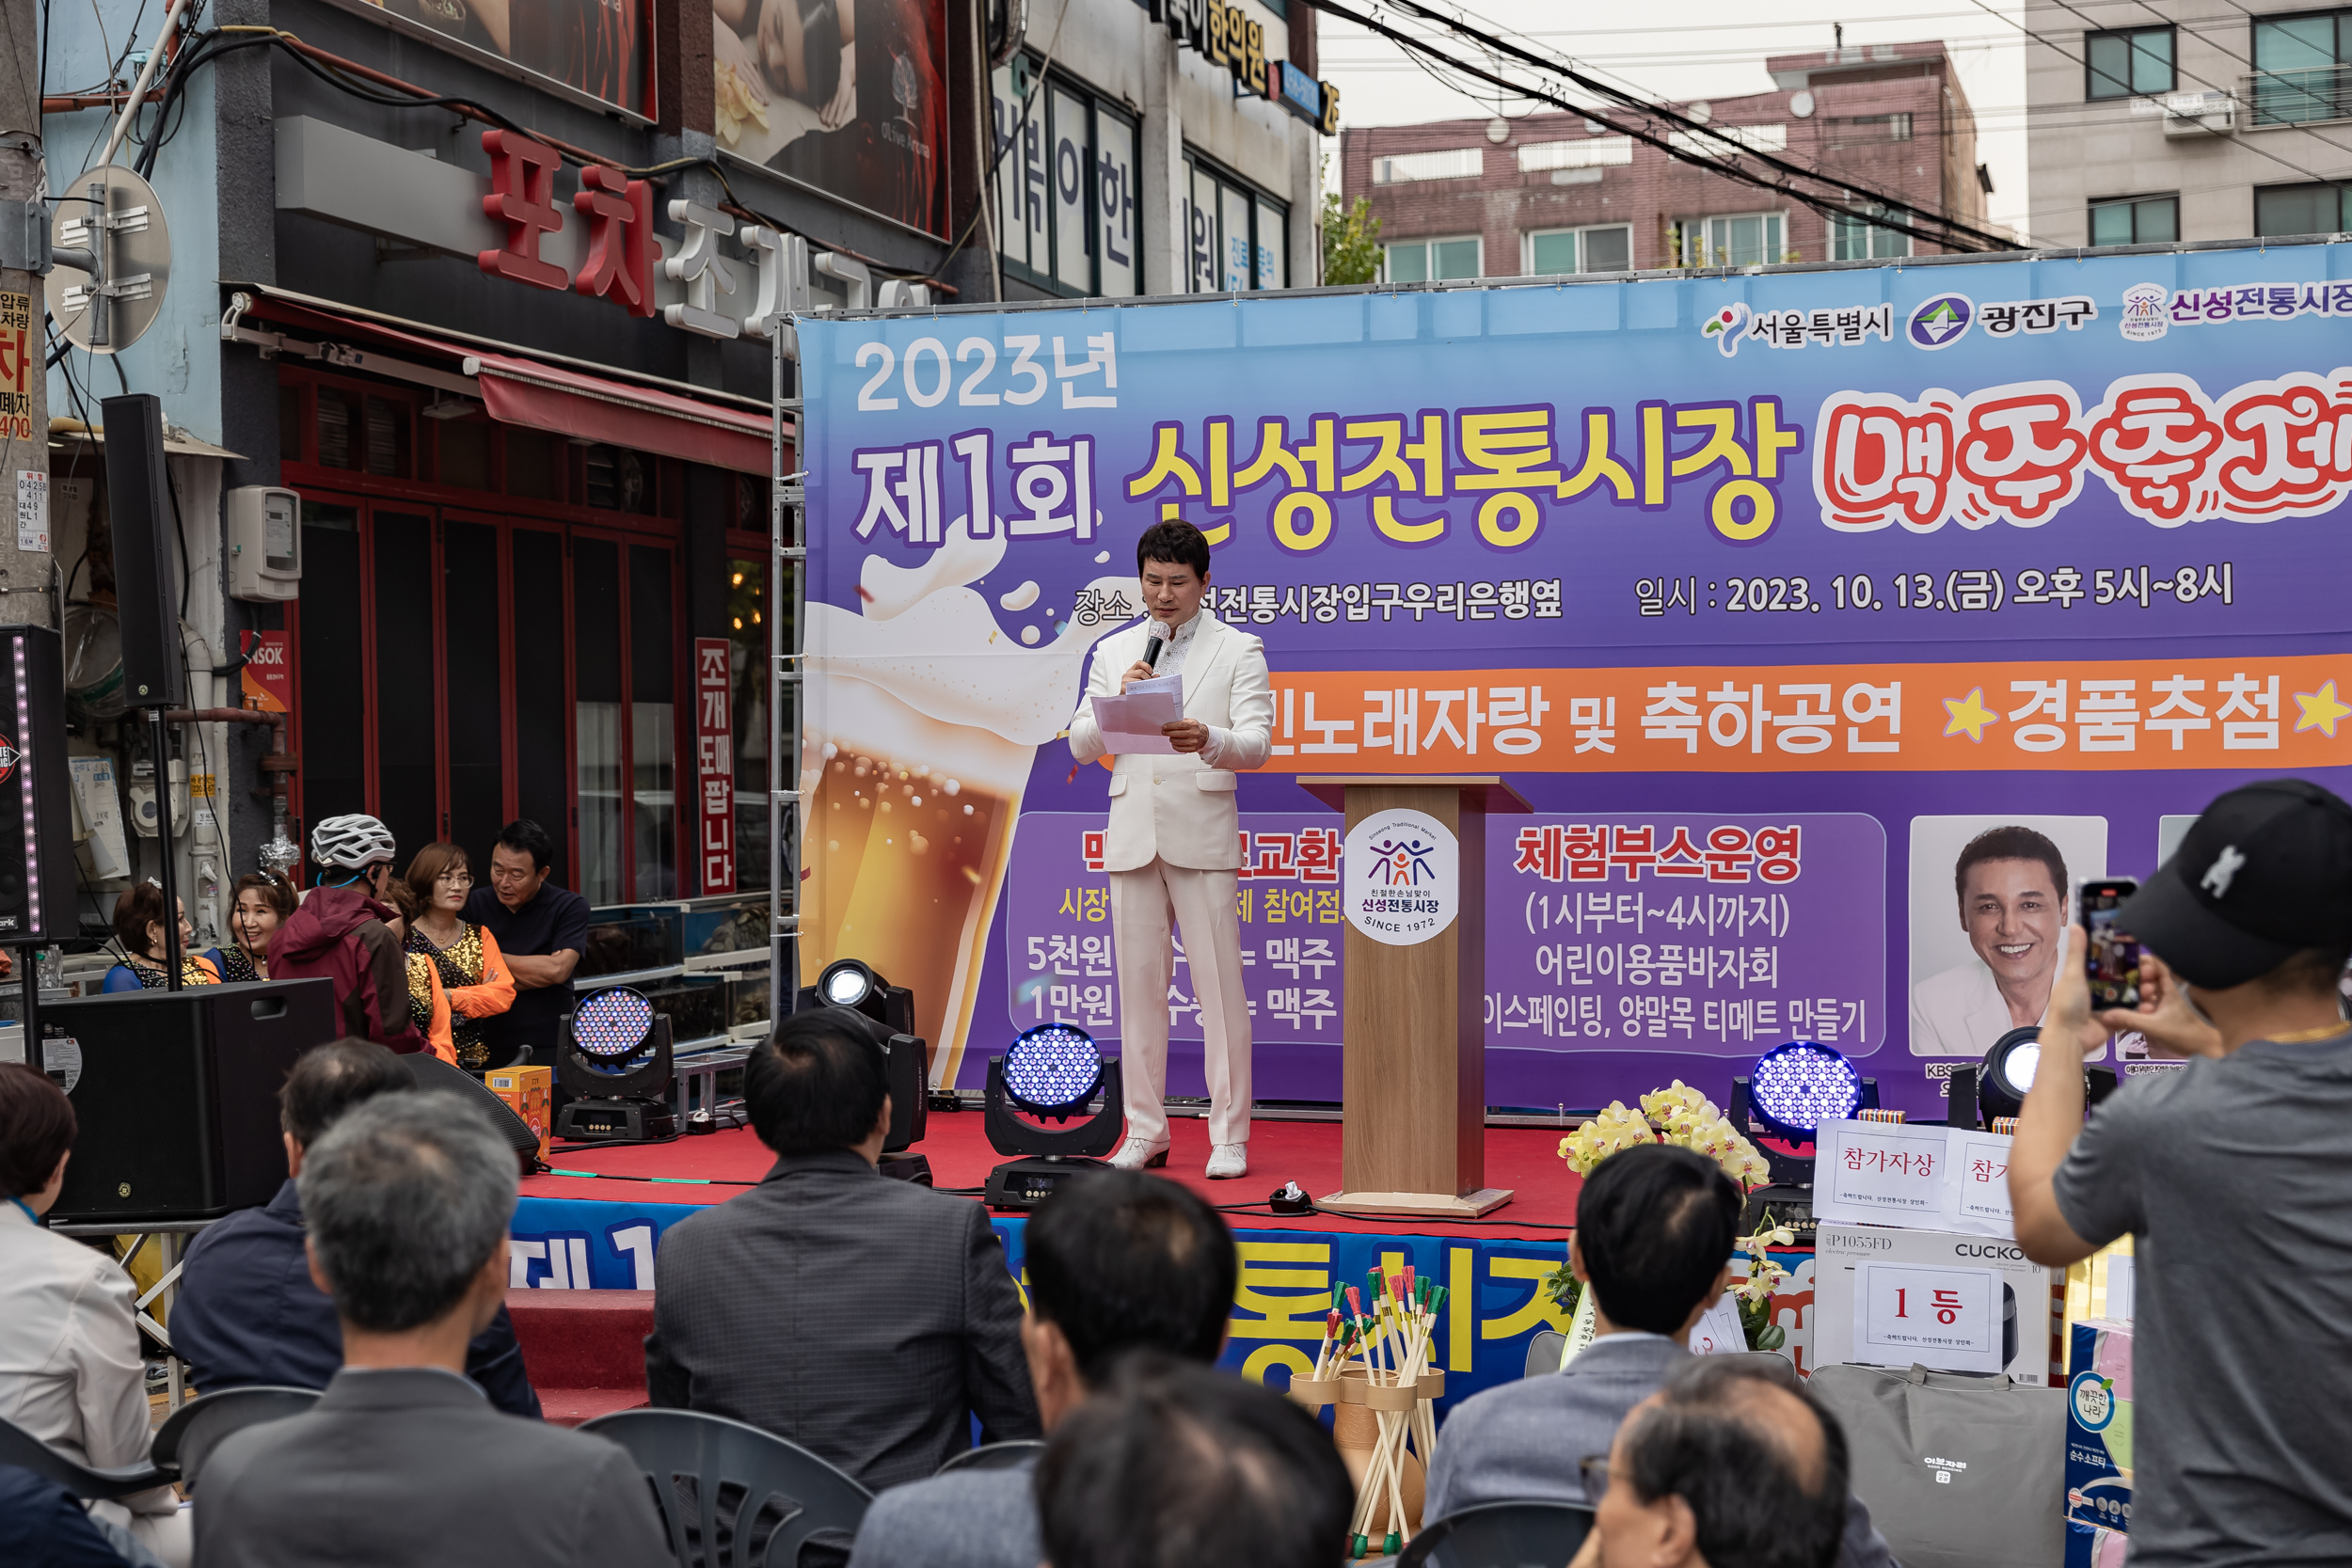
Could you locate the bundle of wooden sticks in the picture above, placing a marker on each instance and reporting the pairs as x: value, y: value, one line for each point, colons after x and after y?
x: 1390, y: 1339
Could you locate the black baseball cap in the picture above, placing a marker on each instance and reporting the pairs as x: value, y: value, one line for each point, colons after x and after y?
x: 2265, y: 873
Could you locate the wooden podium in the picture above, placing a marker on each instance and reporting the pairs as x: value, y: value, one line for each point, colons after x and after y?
x: 1413, y: 1140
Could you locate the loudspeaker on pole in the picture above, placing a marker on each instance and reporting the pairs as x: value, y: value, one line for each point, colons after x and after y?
x: 140, y: 516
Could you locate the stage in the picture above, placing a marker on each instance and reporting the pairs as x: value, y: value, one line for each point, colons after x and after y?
x: 602, y: 1231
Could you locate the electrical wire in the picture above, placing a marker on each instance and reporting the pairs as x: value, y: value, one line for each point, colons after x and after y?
x: 1827, y: 207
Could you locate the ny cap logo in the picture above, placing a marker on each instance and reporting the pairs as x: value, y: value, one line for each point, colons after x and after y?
x: 2224, y: 870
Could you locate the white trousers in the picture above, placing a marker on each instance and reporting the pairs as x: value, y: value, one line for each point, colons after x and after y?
x: 1201, y: 906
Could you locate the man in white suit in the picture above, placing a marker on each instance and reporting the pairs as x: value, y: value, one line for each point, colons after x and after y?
x: 1174, y: 843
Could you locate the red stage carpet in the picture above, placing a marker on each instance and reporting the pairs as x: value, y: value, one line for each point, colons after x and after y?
x: 1525, y: 1159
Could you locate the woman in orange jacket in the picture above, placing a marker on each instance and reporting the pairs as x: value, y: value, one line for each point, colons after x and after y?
x: 467, y: 969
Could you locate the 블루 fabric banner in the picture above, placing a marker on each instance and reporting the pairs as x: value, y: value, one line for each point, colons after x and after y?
x: 1833, y: 624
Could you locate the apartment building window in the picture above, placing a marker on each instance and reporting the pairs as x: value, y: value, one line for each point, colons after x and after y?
x: 1463, y: 162
x: 1431, y: 261
x: 1238, y: 235
x: 1067, y: 207
x: 1588, y: 153
x: 2135, y: 220
x: 1741, y: 240
x: 2299, y: 210
x: 1852, y: 237
x: 1564, y: 250
x: 2299, y: 70
x: 2128, y: 63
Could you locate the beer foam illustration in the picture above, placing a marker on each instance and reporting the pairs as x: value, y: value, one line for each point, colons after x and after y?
x: 933, y: 642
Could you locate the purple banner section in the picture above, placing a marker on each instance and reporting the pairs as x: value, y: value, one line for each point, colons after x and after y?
x: 1716, y: 935
x: 1061, y: 967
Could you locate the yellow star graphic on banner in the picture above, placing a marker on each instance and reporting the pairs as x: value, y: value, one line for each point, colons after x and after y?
x: 1968, y: 715
x: 2322, y: 709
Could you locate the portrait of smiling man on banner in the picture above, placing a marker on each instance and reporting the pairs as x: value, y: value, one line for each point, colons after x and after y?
x: 2008, y: 881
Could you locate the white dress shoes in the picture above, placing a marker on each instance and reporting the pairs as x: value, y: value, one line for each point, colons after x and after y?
x: 1227, y: 1161
x: 1141, y: 1154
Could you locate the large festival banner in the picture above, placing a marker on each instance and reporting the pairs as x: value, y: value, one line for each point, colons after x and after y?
x: 1771, y: 593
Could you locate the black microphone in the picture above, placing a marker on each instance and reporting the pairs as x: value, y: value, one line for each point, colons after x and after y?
x: 1153, y: 641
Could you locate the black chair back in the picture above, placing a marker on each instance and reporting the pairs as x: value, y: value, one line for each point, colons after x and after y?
x: 733, y: 1495
x: 995, y: 1456
x: 1501, y: 1535
x: 185, y: 1440
x: 19, y: 1448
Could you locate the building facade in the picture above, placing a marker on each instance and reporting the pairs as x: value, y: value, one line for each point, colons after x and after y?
x: 2160, y: 122
x: 1559, y: 193
x: 490, y: 289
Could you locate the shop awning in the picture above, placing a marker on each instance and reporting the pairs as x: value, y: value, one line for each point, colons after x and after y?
x: 519, y: 387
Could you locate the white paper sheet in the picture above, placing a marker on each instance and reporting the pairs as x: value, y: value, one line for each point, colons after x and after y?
x: 1130, y: 722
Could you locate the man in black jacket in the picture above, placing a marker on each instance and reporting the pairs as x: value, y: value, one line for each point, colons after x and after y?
x: 247, y: 1312
x: 863, y: 1318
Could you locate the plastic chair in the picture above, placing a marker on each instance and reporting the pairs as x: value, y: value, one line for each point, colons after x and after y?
x: 185, y: 1440
x: 20, y: 1448
x: 733, y: 1495
x: 1544, y: 1350
x: 995, y: 1456
x: 1501, y: 1535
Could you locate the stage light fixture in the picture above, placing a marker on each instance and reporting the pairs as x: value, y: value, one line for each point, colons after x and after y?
x: 847, y: 982
x: 1781, y: 1105
x: 1053, y: 1070
x: 1795, y: 1087
x: 615, y: 1060
x: 1984, y: 1092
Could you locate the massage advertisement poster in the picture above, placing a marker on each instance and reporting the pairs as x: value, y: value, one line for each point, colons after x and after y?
x: 1831, y: 624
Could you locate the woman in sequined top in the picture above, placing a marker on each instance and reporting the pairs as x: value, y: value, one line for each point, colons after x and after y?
x: 263, y: 900
x: 139, y: 930
x: 471, y: 972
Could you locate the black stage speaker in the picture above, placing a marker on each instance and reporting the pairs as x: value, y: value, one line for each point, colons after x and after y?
x: 176, y: 1093
x: 140, y: 516
x: 37, y: 867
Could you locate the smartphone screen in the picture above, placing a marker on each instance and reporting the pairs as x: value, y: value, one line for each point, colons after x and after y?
x: 2111, y: 961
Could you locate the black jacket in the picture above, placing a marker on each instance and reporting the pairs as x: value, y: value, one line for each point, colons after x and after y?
x: 865, y: 1320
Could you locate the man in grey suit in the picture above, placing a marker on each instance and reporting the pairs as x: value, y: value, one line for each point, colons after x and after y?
x: 866, y: 1320
x: 1118, y: 1262
x: 405, y: 1202
x: 1654, y: 1227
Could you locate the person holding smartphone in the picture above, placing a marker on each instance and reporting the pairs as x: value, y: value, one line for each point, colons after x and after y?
x: 2231, y: 1174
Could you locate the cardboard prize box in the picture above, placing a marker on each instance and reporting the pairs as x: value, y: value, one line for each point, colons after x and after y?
x: 527, y: 1091
x: 1885, y: 1297
x: 2099, y: 1424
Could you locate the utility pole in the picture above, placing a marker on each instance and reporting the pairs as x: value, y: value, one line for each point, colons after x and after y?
x: 26, y: 563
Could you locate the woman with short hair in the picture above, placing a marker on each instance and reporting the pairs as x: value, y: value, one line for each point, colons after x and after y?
x: 139, y: 930
x: 262, y: 900
x: 466, y: 956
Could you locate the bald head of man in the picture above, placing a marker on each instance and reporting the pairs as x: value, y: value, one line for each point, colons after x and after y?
x: 1731, y: 1464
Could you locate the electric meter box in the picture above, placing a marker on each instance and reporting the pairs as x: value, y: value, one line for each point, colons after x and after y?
x: 265, y: 544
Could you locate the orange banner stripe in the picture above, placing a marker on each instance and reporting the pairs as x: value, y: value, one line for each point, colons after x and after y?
x: 2117, y: 714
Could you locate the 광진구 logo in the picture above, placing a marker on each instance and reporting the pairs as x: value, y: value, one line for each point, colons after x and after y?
x: 1940, y: 321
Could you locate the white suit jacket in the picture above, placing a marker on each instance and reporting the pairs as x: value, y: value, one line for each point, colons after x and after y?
x: 1178, y: 808
x: 1960, y: 1012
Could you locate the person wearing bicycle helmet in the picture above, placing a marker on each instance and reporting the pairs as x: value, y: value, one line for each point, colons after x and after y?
x: 343, y: 932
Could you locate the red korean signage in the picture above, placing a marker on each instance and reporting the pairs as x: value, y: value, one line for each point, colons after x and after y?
x: 622, y: 250
x: 714, y: 764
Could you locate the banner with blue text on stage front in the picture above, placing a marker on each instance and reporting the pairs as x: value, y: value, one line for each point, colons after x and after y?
x: 1769, y: 593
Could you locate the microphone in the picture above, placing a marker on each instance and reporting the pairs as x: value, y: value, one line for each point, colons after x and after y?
x: 1154, y: 641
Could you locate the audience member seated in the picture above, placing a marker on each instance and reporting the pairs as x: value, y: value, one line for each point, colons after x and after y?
x: 248, y: 1311
x: 42, y: 1526
x: 71, y: 1374
x: 1117, y: 1262
x: 1178, y: 1465
x: 866, y: 1320
x: 1654, y: 1231
x: 1727, y: 1466
x: 406, y: 1201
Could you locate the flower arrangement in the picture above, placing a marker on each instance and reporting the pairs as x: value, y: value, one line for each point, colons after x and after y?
x: 1677, y: 1114
x: 1753, y: 1295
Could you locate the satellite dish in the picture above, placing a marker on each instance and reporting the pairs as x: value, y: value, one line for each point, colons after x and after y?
x: 1802, y: 105
x: 113, y: 256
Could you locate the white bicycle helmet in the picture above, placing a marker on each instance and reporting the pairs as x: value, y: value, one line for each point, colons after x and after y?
x: 351, y: 843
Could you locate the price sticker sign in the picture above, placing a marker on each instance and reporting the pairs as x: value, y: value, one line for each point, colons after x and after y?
x: 1945, y: 1318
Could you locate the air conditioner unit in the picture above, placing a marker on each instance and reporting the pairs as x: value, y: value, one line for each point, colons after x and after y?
x: 2199, y: 114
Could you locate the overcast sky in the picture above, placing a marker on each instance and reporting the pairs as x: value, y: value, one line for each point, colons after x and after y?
x: 1709, y: 49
